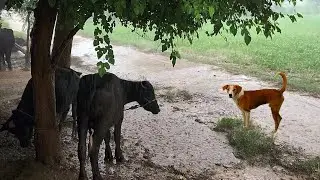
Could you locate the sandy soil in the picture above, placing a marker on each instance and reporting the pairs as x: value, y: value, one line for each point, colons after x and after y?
x: 172, y: 144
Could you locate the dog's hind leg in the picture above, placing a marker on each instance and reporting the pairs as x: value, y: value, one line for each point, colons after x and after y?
x: 276, y: 117
x: 275, y: 108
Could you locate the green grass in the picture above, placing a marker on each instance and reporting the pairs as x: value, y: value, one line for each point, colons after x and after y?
x: 295, y: 51
x: 249, y: 144
x: 310, y: 166
x: 228, y: 124
x: 254, y: 146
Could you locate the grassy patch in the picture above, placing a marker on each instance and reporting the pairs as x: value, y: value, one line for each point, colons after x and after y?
x: 309, y: 166
x: 227, y: 124
x: 294, y: 51
x: 248, y: 143
x: 254, y: 146
x: 174, y: 95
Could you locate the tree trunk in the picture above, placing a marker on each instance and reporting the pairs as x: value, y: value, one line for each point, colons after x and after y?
x: 43, y: 74
x: 63, y: 27
x: 27, y: 55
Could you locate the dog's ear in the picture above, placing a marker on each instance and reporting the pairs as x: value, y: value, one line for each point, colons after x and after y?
x: 238, y: 89
x: 225, y: 87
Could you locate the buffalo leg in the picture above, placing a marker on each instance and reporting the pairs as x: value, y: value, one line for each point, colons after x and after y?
x: 117, y: 136
x: 2, y: 64
x: 97, y: 140
x: 82, y: 133
x: 108, y: 153
x: 8, y: 59
x: 62, y: 117
x: 74, y: 117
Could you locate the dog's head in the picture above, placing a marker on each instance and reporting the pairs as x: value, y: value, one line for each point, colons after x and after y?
x: 234, y: 91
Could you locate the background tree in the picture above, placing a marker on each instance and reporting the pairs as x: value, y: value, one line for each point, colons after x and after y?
x: 167, y: 18
x: 65, y: 23
x: 26, y: 11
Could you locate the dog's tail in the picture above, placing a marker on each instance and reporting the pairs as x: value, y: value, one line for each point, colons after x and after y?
x: 285, y: 81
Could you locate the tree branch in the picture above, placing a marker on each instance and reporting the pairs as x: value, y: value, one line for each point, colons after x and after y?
x: 56, y: 56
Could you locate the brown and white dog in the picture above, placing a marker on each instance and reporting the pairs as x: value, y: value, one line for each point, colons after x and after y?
x: 248, y: 100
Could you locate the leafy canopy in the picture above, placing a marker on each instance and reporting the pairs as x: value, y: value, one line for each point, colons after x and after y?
x: 173, y: 18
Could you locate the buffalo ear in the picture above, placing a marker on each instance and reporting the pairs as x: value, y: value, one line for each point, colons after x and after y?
x: 144, y: 84
x: 225, y: 87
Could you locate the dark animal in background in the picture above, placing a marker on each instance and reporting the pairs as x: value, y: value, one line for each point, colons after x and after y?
x: 6, y: 44
x: 101, y: 103
x: 21, y: 122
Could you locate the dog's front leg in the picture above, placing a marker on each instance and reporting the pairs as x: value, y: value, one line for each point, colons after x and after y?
x: 244, y: 118
x: 247, y: 118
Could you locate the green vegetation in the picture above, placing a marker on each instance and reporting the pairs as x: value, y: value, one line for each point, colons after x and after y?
x: 256, y: 147
x: 310, y: 166
x: 295, y: 51
x: 248, y: 143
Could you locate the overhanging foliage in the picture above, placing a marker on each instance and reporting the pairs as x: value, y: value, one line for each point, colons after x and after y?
x: 170, y: 19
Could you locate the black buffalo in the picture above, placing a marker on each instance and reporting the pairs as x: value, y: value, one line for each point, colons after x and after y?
x: 6, y: 44
x: 21, y: 122
x: 101, y: 103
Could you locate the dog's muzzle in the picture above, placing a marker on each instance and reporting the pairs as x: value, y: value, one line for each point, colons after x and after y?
x: 230, y: 95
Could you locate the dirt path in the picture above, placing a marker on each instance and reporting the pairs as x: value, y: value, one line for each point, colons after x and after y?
x: 300, y: 125
x: 173, y: 144
x: 174, y: 137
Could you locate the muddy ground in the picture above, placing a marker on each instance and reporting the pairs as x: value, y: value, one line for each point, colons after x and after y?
x: 178, y: 143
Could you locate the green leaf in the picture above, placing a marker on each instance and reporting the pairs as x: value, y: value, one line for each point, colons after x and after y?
x: 233, y: 29
x: 174, y: 60
x: 178, y: 54
x: 247, y: 38
x: 164, y: 47
x: 156, y: 37
x: 258, y: 29
x: 95, y: 42
x: 211, y: 11
x: 299, y: 15
x: 99, y: 54
x: 278, y: 29
x: 293, y: 18
x: 102, y: 71
x: 106, y: 65
x: 110, y: 59
x: 106, y: 39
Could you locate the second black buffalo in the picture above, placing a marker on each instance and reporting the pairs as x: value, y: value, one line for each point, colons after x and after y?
x: 21, y: 122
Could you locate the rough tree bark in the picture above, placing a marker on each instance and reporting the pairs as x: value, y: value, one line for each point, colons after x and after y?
x: 42, y: 71
x: 63, y: 26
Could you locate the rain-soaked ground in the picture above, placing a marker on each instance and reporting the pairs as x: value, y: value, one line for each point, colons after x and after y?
x: 172, y: 144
